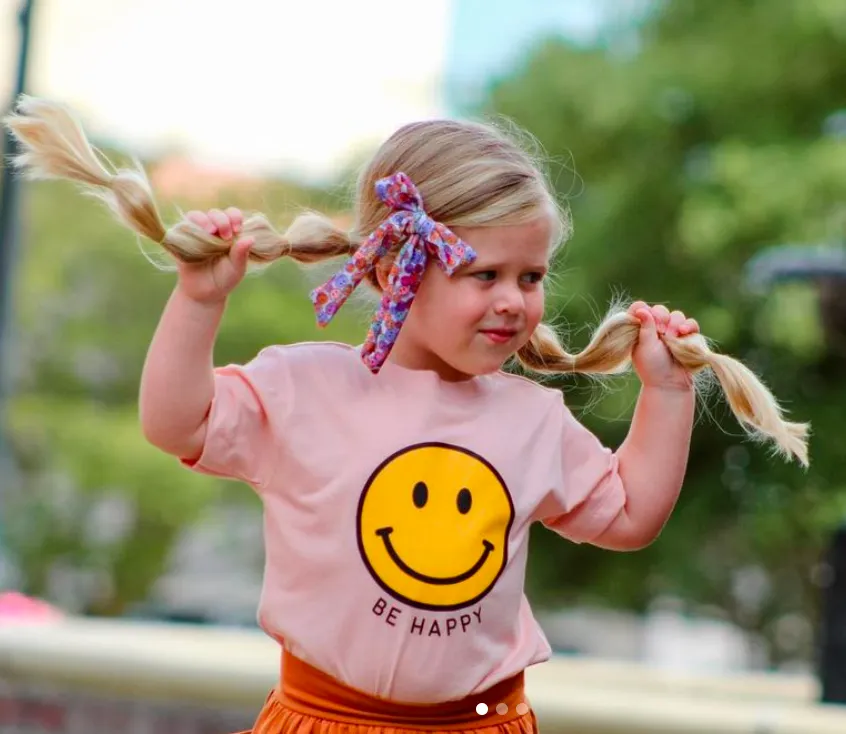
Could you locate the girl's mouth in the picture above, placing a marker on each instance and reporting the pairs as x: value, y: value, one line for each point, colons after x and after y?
x: 499, y: 336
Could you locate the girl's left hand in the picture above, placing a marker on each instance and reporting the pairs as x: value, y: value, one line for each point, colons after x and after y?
x: 651, y: 358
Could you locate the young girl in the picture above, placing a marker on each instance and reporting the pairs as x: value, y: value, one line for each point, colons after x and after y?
x: 399, y: 479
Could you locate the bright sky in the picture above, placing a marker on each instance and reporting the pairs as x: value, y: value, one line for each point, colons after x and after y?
x: 272, y: 84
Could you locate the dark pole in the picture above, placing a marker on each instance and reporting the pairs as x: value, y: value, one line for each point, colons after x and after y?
x: 832, y: 662
x: 9, y: 212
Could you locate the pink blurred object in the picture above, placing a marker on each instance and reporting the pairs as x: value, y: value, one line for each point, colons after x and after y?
x: 17, y: 607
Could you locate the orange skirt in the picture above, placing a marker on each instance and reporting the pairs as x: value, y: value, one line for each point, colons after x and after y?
x: 309, y: 701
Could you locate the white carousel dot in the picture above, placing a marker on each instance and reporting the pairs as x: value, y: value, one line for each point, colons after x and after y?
x: 481, y: 709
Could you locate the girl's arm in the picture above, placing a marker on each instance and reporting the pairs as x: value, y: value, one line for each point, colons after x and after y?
x: 653, y: 458
x: 652, y: 465
x: 177, y: 384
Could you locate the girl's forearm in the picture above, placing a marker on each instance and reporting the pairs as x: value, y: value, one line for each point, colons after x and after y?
x: 652, y: 465
x: 177, y: 383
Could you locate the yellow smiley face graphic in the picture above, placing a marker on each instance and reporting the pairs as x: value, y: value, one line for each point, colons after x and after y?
x: 433, y: 525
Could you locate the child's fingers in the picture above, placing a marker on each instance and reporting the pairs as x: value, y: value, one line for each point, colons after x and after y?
x: 234, y: 267
x: 677, y: 318
x: 201, y: 219
x: 690, y: 326
x: 637, y: 306
x: 648, y: 327
x: 240, y: 251
x: 221, y: 221
x: 647, y: 318
x: 641, y: 311
x: 236, y: 218
x: 662, y: 317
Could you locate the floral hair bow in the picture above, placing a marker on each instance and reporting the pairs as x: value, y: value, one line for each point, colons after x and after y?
x: 423, y: 238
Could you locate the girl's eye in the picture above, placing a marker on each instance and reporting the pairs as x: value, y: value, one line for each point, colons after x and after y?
x: 533, y: 277
x: 486, y: 275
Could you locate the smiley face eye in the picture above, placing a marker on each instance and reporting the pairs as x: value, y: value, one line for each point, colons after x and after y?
x: 464, y: 501
x: 420, y: 494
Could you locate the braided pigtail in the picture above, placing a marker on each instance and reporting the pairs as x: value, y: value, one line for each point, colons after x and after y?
x: 55, y: 147
x: 610, y: 349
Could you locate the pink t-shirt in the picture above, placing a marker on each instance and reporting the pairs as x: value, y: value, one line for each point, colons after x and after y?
x: 397, y: 510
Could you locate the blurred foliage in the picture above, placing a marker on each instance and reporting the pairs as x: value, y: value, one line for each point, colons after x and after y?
x: 97, y: 509
x: 707, y: 132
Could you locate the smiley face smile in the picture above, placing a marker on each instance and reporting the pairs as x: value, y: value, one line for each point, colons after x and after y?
x: 385, y: 534
x: 433, y: 525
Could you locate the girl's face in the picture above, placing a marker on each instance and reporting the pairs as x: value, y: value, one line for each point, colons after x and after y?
x: 473, y: 322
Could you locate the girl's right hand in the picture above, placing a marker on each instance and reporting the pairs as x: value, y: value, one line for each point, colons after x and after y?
x: 212, y: 282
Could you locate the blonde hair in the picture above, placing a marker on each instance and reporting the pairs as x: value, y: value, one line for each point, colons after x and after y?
x: 469, y: 175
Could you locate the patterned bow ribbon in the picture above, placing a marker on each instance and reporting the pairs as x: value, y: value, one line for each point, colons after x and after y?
x: 422, y: 237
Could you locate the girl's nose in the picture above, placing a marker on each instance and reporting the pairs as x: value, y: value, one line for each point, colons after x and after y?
x: 509, y: 301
